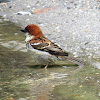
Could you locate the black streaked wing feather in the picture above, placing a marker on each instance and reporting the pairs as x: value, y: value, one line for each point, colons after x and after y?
x: 39, y: 46
x: 49, y: 47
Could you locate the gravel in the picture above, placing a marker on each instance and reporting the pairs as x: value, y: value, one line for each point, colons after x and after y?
x: 73, y: 24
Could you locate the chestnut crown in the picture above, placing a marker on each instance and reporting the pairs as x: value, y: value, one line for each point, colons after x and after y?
x: 33, y: 30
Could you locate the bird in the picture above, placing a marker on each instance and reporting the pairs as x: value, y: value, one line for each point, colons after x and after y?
x: 36, y: 41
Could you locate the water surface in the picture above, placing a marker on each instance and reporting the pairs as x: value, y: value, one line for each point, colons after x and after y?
x: 20, y: 80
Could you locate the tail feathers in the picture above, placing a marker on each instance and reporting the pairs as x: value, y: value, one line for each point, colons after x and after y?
x: 74, y: 60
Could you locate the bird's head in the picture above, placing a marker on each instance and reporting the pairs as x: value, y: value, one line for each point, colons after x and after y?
x: 33, y: 30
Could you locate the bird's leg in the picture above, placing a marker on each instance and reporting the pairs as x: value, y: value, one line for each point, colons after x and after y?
x: 27, y: 45
x: 46, y: 65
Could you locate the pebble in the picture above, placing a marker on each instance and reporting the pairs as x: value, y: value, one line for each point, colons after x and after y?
x: 23, y: 13
x: 22, y: 99
x: 97, y: 65
x: 99, y: 93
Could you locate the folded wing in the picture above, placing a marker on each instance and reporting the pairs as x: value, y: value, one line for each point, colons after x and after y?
x: 49, y: 47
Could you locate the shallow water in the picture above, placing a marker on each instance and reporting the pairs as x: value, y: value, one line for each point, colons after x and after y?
x: 19, y: 80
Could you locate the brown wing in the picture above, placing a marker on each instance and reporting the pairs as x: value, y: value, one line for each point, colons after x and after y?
x: 49, y: 47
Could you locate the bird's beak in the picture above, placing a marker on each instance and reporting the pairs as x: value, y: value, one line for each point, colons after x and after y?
x: 23, y: 31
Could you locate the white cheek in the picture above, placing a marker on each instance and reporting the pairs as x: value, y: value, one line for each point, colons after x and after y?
x: 28, y: 37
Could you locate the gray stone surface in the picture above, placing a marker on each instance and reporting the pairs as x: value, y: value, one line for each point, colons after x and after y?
x: 73, y: 24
